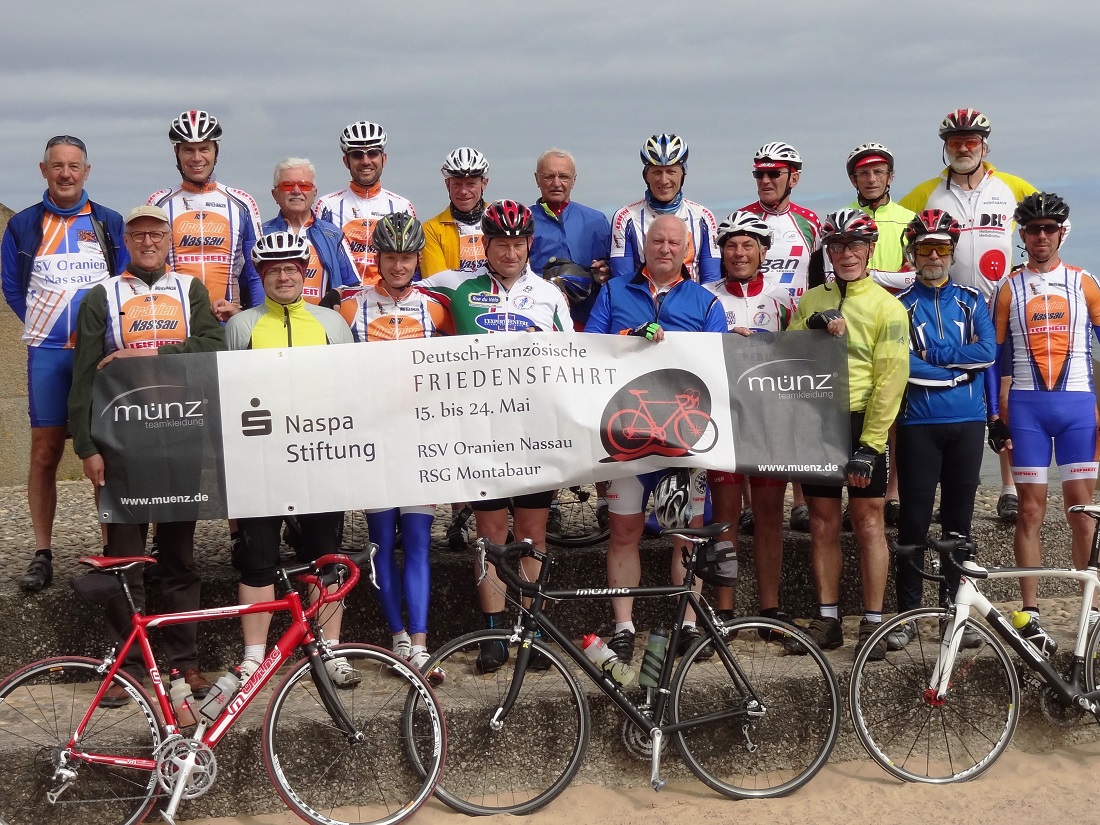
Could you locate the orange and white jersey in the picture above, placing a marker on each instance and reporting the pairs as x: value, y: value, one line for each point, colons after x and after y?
x: 356, y: 210
x: 1047, y: 318
x: 375, y: 316
x: 140, y: 316
x: 214, y: 228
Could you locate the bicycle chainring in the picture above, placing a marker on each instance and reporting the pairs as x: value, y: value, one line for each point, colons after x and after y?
x: 170, y: 759
x: 1056, y: 711
x: 637, y: 742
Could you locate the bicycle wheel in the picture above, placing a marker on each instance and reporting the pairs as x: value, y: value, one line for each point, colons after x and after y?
x: 630, y: 431
x: 40, y: 707
x: 696, y: 431
x: 322, y: 776
x: 913, y: 735
x: 746, y: 755
x: 537, y: 750
x: 580, y: 526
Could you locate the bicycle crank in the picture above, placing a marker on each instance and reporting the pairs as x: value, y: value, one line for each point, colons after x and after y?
x: 172, y: 758
x: 1056, y: 711
x: 637, y: 741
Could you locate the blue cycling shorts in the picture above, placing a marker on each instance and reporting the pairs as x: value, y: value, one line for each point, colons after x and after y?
x: 1045, y: 424
x: 49, y: 379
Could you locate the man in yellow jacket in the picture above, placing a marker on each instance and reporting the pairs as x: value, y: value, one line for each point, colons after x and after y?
x: 453, y: 237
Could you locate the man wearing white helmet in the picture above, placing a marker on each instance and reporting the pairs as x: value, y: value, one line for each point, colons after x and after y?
x: 213, y: 225
x: 664, y: 167
x: 870, y: 168
x: 356, y: 209
x: 453, y: 237
x: 982, y: 199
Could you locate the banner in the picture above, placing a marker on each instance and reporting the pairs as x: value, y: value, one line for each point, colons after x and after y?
x: 317, y: 429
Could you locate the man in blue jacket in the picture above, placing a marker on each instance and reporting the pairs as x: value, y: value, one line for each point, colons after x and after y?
x: 53, y: 253
x: 941, y: 428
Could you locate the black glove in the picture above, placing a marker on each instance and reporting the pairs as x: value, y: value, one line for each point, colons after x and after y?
x: 820, y: 320
x: 998, y: 434
x: 862, y: 463
x: 647, y: 331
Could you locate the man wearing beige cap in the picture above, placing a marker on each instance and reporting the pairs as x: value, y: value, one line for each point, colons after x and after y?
x: 108, y: 329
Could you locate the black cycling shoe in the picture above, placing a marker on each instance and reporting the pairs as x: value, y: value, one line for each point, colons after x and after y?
x: 622, y: 645
x: 492, y: 656
x: 39, y: 574
x: 688, y: 637
x: 779, y: 616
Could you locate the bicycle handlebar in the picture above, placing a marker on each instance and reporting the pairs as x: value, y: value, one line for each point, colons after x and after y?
x: 503, y: 556
x: 945, y: 548
x: 334, y: 568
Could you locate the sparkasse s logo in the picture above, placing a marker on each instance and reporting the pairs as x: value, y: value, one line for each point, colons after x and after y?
x: 256, y: 421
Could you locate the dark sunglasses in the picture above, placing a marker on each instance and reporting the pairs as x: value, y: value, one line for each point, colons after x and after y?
x: 359, y: 154
x: 1042, y: 228
x: 66, y: 140
x: 768, y: 173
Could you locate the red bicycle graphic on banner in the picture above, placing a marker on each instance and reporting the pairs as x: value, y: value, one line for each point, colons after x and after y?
x: 646, y: 428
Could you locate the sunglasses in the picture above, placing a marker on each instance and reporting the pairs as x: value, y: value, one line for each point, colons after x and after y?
x: 964, y: 142
x: 359, y: 154
x: 941, y: 249
x: 838, y: 247
x: 66, y: 140
x: 291, y: 185
x: 760, y: 174
x: 1042, y: 228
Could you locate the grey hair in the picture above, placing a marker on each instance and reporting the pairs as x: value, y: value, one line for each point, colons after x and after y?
x: 554, y: 152
x: 292, y: 163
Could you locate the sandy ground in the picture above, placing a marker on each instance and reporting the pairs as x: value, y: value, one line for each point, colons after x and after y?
x: 1020, y: 789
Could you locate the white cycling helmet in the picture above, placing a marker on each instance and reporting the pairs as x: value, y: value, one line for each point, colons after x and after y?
x: 362, y: 135
x: 672, y: 500
x: 777, y: 153
x: 465, y: 162
x: 869, y: 153
x: 744, y: 223
x: 664, y: 150
x: 194, y: 126
x: 280, y: 246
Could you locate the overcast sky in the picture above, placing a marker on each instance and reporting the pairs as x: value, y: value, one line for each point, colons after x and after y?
x: 513, y: 78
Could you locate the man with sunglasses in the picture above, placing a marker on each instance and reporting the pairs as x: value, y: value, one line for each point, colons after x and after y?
x: 329, y: 265
x: 982, y: 199
x: 1044, y: 317
x: 214, y: 226
x: 356, y: 209
x: 54, y: 252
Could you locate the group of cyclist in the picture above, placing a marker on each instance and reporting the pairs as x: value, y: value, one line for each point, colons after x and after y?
x: 966, y: 343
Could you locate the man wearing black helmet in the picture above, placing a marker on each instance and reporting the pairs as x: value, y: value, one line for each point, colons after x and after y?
x: 1045, y: 315
x: 982, y: 199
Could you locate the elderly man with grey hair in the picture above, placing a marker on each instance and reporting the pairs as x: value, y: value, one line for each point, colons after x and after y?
x: 330, y: 263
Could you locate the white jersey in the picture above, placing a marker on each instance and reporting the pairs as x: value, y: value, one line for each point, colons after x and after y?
x: 356, y: 210
x: 755, y: 304
x: 628, y: 230
x: 796, y: 235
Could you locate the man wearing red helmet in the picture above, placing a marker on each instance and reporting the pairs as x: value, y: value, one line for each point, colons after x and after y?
x: 982, y: 199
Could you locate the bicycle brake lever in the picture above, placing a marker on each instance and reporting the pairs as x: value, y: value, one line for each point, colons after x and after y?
x: 482, y: 561
x: 373, y: 569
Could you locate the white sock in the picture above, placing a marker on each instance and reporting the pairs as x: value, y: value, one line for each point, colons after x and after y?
x: 1008, y: 489
x: 621, y: 626
x: 255, y: 652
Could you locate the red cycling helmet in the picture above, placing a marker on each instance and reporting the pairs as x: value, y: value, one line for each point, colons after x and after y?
x: 507, y: 219
x: 964, y: 120
x: 935, y: 224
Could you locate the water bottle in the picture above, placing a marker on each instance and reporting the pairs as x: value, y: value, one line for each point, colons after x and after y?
x: 182, y: 698
x: 604, y: 658
x: 220, y: 695
x: 656, y: 647
x: 1028, y: 627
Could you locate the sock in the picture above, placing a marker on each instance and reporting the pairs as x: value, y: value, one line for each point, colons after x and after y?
x: 254, y: 652
x: 1008, y: 489
x: 687, y: 624
x: 828, y: 611
x: 873, y: 616
x: 621, y: 626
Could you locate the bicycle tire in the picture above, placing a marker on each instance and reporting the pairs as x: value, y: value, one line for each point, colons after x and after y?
x: 323, y: 777
x: 793, y: 737
x: 696, y: 431
x: 912, y: 736
x: 617, y: 434
x: 580, y: 526
x: 535, y: 754
x: 39, y: 707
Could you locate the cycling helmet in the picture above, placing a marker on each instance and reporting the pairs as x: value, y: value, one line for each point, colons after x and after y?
x: 1041, y: 205
x: 572, y: 279
x: 194, y: 126
x: 664, y: 150
x: 507, y: 219
x: 672, y: 500
x: 869, y: 153
x: 964, y: 120
x: 775, y: 154
x: 280, y: 246
x: 744, y: 223
x: 362, y: 135
x: 932, y: 224
x: 849, y: 223
x: 465, y: 163
x: 398, y: 232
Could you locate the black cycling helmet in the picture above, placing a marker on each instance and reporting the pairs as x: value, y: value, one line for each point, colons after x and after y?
x: 194, y: 126
x: 398, y: 232
x: 1041, y: 205
x: 507, y: 219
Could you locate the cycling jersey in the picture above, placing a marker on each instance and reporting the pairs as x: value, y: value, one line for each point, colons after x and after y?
x: 984, y: 253
x: 754, y: 304
x: 356, y: 210
x: 626, y: 303
x: 274, y: 325
x: 877, y: 340
x: 451, y: 244
x: 578, y: 233
x: 480, y: 303
x: 141, y: 315
x: 374, y: 315
x: 214, y: 228
x: 796, y: 233
x: 628, y: 229
x: 330, y: 265
x: 891, y: 219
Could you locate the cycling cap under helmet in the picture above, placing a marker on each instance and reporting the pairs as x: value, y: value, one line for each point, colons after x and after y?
x: 964, y: 120
x: 1041, y: 205
x: 280, y: 246
x: 465, y: 163
x: 507, y: 219
x: 398, y: 232
x: 744, y: 223
x: 672, y: 500
x: 362, y: 135
x: 854, y: 224
x: 777, y: 153
x: 194, y: 126
x: 869, y: 153
x: 932, y: 224
x: 664, y: 150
